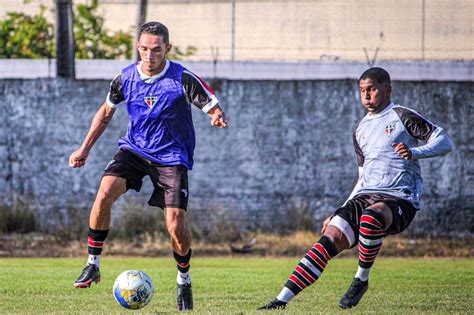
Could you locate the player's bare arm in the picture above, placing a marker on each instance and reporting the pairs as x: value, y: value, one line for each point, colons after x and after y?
x: 99, y: 124
x: 218, y: 117
x: 402, y: 149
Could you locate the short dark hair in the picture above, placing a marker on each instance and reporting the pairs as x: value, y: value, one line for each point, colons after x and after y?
x: 377, y: 74
x: 155, y: 28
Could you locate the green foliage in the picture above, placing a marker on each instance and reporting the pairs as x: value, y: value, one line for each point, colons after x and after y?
x: 24, y: 36
x: 93, y: 41
x: 178, y: 54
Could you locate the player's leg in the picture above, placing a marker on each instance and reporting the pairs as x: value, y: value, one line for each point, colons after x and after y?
x: 110, y: 189
x: 171, y: 194
x: 176, y: 223
x: 338, y: 236
x: 341, y: 233
x: 387, y: 216
x: 124, y: 171
x: 180, y: 236
x: 374, y: 223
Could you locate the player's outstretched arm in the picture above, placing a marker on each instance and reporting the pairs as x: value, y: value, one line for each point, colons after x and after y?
x: 218, y: 117
x: 99, y: 124
x: 438, y: 144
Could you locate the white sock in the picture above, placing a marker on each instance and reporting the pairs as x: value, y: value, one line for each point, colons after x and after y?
x: 285, y: 295
x: 183, y: 278
x: 94, y: 259
x: 362, y: 274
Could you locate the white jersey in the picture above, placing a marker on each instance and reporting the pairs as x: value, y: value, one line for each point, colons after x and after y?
x: 382, y: 170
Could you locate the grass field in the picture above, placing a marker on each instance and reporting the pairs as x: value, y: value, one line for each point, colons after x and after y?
x: 239, y: 285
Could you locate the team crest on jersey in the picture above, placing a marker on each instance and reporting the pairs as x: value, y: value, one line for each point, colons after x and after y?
x: 151, y: 100
x: 389, y: 129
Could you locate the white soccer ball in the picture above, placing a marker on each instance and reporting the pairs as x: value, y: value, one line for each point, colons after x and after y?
x: 133, y: 289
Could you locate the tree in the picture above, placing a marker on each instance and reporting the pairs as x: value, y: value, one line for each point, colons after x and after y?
x: 95, y: 42
x: 26, y: 36
x: 177, y: 54
x: 33, y: 37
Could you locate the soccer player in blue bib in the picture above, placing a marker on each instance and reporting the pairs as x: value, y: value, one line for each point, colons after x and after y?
x: 386, y: 196
x: 159, y: 142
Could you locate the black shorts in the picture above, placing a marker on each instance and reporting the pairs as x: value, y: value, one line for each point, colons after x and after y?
x: 170, y: 182
x: 403, y: 211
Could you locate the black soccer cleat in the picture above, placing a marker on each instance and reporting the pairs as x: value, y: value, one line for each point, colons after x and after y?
x: 89, y: 274
x: 184, y: 297
x: 353, y: 295
x: 274, y: 305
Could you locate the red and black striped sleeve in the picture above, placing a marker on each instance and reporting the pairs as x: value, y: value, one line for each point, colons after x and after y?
x: 198, y: 92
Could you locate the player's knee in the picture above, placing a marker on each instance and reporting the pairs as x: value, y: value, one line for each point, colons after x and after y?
x: 339, y: 241
x: 372, y: 219
x: 175, y: 220
x: 105, y: 198
x: 340, y: 232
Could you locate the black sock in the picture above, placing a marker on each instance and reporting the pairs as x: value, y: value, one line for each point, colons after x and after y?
x: 95, y: 241
x: 182, y: 262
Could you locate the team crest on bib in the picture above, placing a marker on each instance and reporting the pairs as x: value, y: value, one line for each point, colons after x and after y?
x: 389, y: 129
x: 151, y: 100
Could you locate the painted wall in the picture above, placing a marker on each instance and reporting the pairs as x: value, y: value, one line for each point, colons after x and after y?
x: 301, y: 29
x: 286, y: 156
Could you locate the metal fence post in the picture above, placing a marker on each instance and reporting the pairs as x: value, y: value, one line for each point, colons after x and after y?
x: 141, y: 18
x: 65, y: 63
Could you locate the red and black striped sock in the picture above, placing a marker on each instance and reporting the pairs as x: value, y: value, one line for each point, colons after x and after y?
x: 311, y: 266
x: 371, y: 234
x: 182, y: 262
x: 95, y: 241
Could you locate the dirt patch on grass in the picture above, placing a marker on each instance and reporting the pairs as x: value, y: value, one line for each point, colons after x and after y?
x: 296, y: 244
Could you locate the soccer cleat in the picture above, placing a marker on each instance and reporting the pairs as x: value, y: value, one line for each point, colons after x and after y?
x: 353, y: 295
x: 184, y: 297
x: 89, y: 274
x: 274, y: 304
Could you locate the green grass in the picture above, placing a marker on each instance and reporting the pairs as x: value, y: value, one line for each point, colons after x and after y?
x: 239, y: 285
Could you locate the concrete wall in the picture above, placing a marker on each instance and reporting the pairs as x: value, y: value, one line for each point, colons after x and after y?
x: 287, y: 152
x: 314, y: 70
x: 300, y: 29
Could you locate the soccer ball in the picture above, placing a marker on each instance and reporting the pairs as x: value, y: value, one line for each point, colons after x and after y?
x: 133, y: 289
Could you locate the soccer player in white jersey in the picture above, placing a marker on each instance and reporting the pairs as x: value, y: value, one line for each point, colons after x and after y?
x: 159, y: 142
x: 386, y: 196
